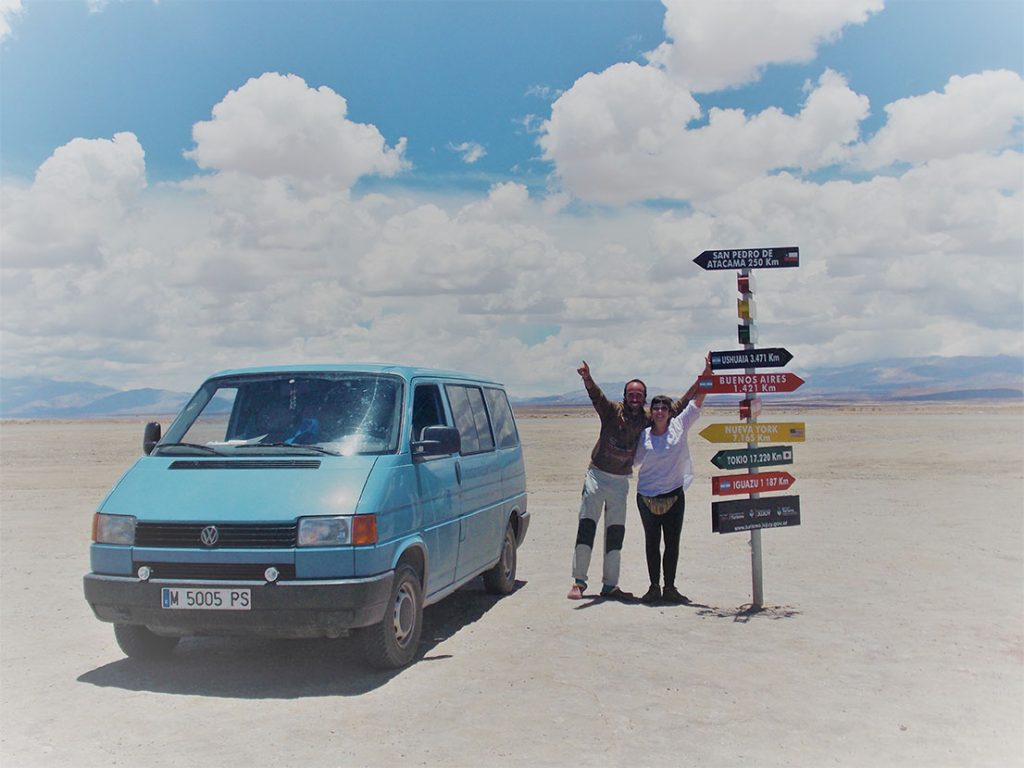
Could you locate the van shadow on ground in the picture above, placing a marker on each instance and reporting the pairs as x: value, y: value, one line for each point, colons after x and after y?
x: 256, y: 668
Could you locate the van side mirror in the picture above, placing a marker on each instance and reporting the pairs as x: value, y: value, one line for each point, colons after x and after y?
x: 150, y: 437
x: 436, y: 441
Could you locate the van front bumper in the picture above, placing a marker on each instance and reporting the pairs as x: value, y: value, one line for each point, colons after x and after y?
x: 287, y: 609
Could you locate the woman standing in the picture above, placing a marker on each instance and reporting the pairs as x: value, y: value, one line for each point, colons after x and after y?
x: 666, y: 471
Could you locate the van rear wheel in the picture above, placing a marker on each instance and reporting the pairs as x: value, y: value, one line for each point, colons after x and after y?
x: 394, y: 641
x: 501, y: 579
x: 138, y: 642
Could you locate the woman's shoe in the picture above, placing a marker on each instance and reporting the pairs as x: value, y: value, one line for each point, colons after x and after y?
x: 652, y: 595
x: 576, y: 593
x: 671, y: 595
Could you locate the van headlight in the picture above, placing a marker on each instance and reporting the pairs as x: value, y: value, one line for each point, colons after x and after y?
x: 324, y: 531
x: 113, y: 529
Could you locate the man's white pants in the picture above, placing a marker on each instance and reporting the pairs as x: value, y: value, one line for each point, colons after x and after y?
x: 605, y: 492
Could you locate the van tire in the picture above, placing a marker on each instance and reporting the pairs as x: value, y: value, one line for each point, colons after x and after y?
x: 501, y: 579
x: 138, y: 642
x: 394, y: 641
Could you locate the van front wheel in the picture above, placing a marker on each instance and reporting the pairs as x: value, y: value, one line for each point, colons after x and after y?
x: 501, y: 579
x: 393, y: 643
x: 138, y: 642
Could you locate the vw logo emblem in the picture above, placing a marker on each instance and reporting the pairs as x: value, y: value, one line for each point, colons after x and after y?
x: 209, y: 535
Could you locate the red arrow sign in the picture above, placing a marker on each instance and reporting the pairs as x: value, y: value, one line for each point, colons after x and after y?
x: 728, y: 485
x: 738, y: 383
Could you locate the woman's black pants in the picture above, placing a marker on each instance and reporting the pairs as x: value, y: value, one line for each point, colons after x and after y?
x: 670, y: 525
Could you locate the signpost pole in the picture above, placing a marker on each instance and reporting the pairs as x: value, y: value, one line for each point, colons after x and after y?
x: 757, y: 588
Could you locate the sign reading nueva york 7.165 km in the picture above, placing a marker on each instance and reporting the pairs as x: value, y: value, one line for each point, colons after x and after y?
x: 755, y: 432
x: 769, y: 357
x: 750, y: 258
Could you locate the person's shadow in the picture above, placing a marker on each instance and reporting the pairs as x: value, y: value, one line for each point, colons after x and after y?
x: 257, y: 668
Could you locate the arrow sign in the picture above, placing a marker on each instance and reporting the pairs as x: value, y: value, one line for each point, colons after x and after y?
x: 746, y: 458
x: 742, y: 383
x: 757, y: 432
x: 728, y: 485
x: 750, y: 408
x: 769, y: 357
x: 746, y: 309
x: 748, y: 514
x: 750, y: 258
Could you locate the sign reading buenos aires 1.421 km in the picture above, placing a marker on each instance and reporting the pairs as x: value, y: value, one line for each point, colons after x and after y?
x: 741, y: 383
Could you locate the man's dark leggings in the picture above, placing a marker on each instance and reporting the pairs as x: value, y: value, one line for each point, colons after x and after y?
x: 671, y: 523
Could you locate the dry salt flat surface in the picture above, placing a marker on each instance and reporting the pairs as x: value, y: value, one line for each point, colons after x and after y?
x: 893, y: 633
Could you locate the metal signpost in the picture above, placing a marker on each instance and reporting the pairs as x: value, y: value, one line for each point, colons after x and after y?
x: 753, y: 513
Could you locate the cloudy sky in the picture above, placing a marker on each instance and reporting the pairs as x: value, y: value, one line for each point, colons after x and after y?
x: 503, y: 187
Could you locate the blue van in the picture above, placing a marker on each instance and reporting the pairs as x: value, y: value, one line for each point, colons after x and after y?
x: 312, y: 501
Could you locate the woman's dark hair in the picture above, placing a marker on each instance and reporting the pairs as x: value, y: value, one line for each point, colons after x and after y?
x: 661, y: 400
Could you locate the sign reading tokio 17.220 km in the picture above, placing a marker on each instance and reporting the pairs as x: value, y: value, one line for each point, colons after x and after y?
x: 750, y: 258
x: 747, y: 458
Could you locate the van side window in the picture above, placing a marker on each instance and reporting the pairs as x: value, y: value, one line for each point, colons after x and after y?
x: 501, y: 417
x: 427, y: 410
x: 470, y: 418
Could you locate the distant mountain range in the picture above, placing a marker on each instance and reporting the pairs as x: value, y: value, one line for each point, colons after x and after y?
x: 918, y: 379
x: 999, y: 377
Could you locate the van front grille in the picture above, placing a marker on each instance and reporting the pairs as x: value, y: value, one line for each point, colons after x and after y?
x: 215, y: 571
x: 228, y: 535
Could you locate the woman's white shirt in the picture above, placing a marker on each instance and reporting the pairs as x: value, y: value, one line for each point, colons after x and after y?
x: 664, y: 460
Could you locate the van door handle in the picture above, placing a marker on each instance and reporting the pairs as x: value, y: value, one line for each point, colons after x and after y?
x: 458, y: 472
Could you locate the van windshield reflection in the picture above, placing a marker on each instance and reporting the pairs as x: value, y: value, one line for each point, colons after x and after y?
x: 308, y: 413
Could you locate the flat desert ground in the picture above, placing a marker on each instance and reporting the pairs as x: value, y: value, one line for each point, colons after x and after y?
x: 892, y: 634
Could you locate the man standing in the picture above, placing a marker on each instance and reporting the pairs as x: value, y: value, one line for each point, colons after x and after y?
x: 606, y: 485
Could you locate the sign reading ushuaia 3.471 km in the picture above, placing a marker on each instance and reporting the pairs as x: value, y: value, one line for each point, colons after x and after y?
x: 753, y: 513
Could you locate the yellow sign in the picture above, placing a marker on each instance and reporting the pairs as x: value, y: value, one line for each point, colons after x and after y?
x: 746, y: 309
x: 762, y: 432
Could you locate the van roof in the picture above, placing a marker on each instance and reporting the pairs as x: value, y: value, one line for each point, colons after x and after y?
x: 407, y: 372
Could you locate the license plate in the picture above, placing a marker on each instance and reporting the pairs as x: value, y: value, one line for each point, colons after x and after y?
x: 193, y: 599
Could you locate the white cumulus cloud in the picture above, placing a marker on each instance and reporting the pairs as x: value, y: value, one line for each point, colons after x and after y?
x: 277, y: 126
x: 79, y: 194
x: 622, y: 136
x: 715, y: 44
x: 977, y: 113
x: 8, y: 10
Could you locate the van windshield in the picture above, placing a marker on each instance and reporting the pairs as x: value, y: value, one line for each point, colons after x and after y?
x: 343, y: 414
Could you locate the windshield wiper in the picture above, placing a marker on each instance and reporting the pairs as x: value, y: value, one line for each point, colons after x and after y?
x: 191, y: 446
x: 314, y: 448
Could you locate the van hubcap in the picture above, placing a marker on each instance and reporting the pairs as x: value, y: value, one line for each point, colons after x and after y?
x: 506, y: 558
x: 405, y: 614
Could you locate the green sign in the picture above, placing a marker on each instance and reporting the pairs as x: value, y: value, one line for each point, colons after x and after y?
x: 745, y: 458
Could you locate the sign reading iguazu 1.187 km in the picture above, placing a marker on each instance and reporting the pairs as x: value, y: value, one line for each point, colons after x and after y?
x: 754, y: 513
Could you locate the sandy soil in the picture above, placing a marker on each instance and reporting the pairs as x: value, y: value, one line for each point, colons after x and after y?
x: 893, y: 633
